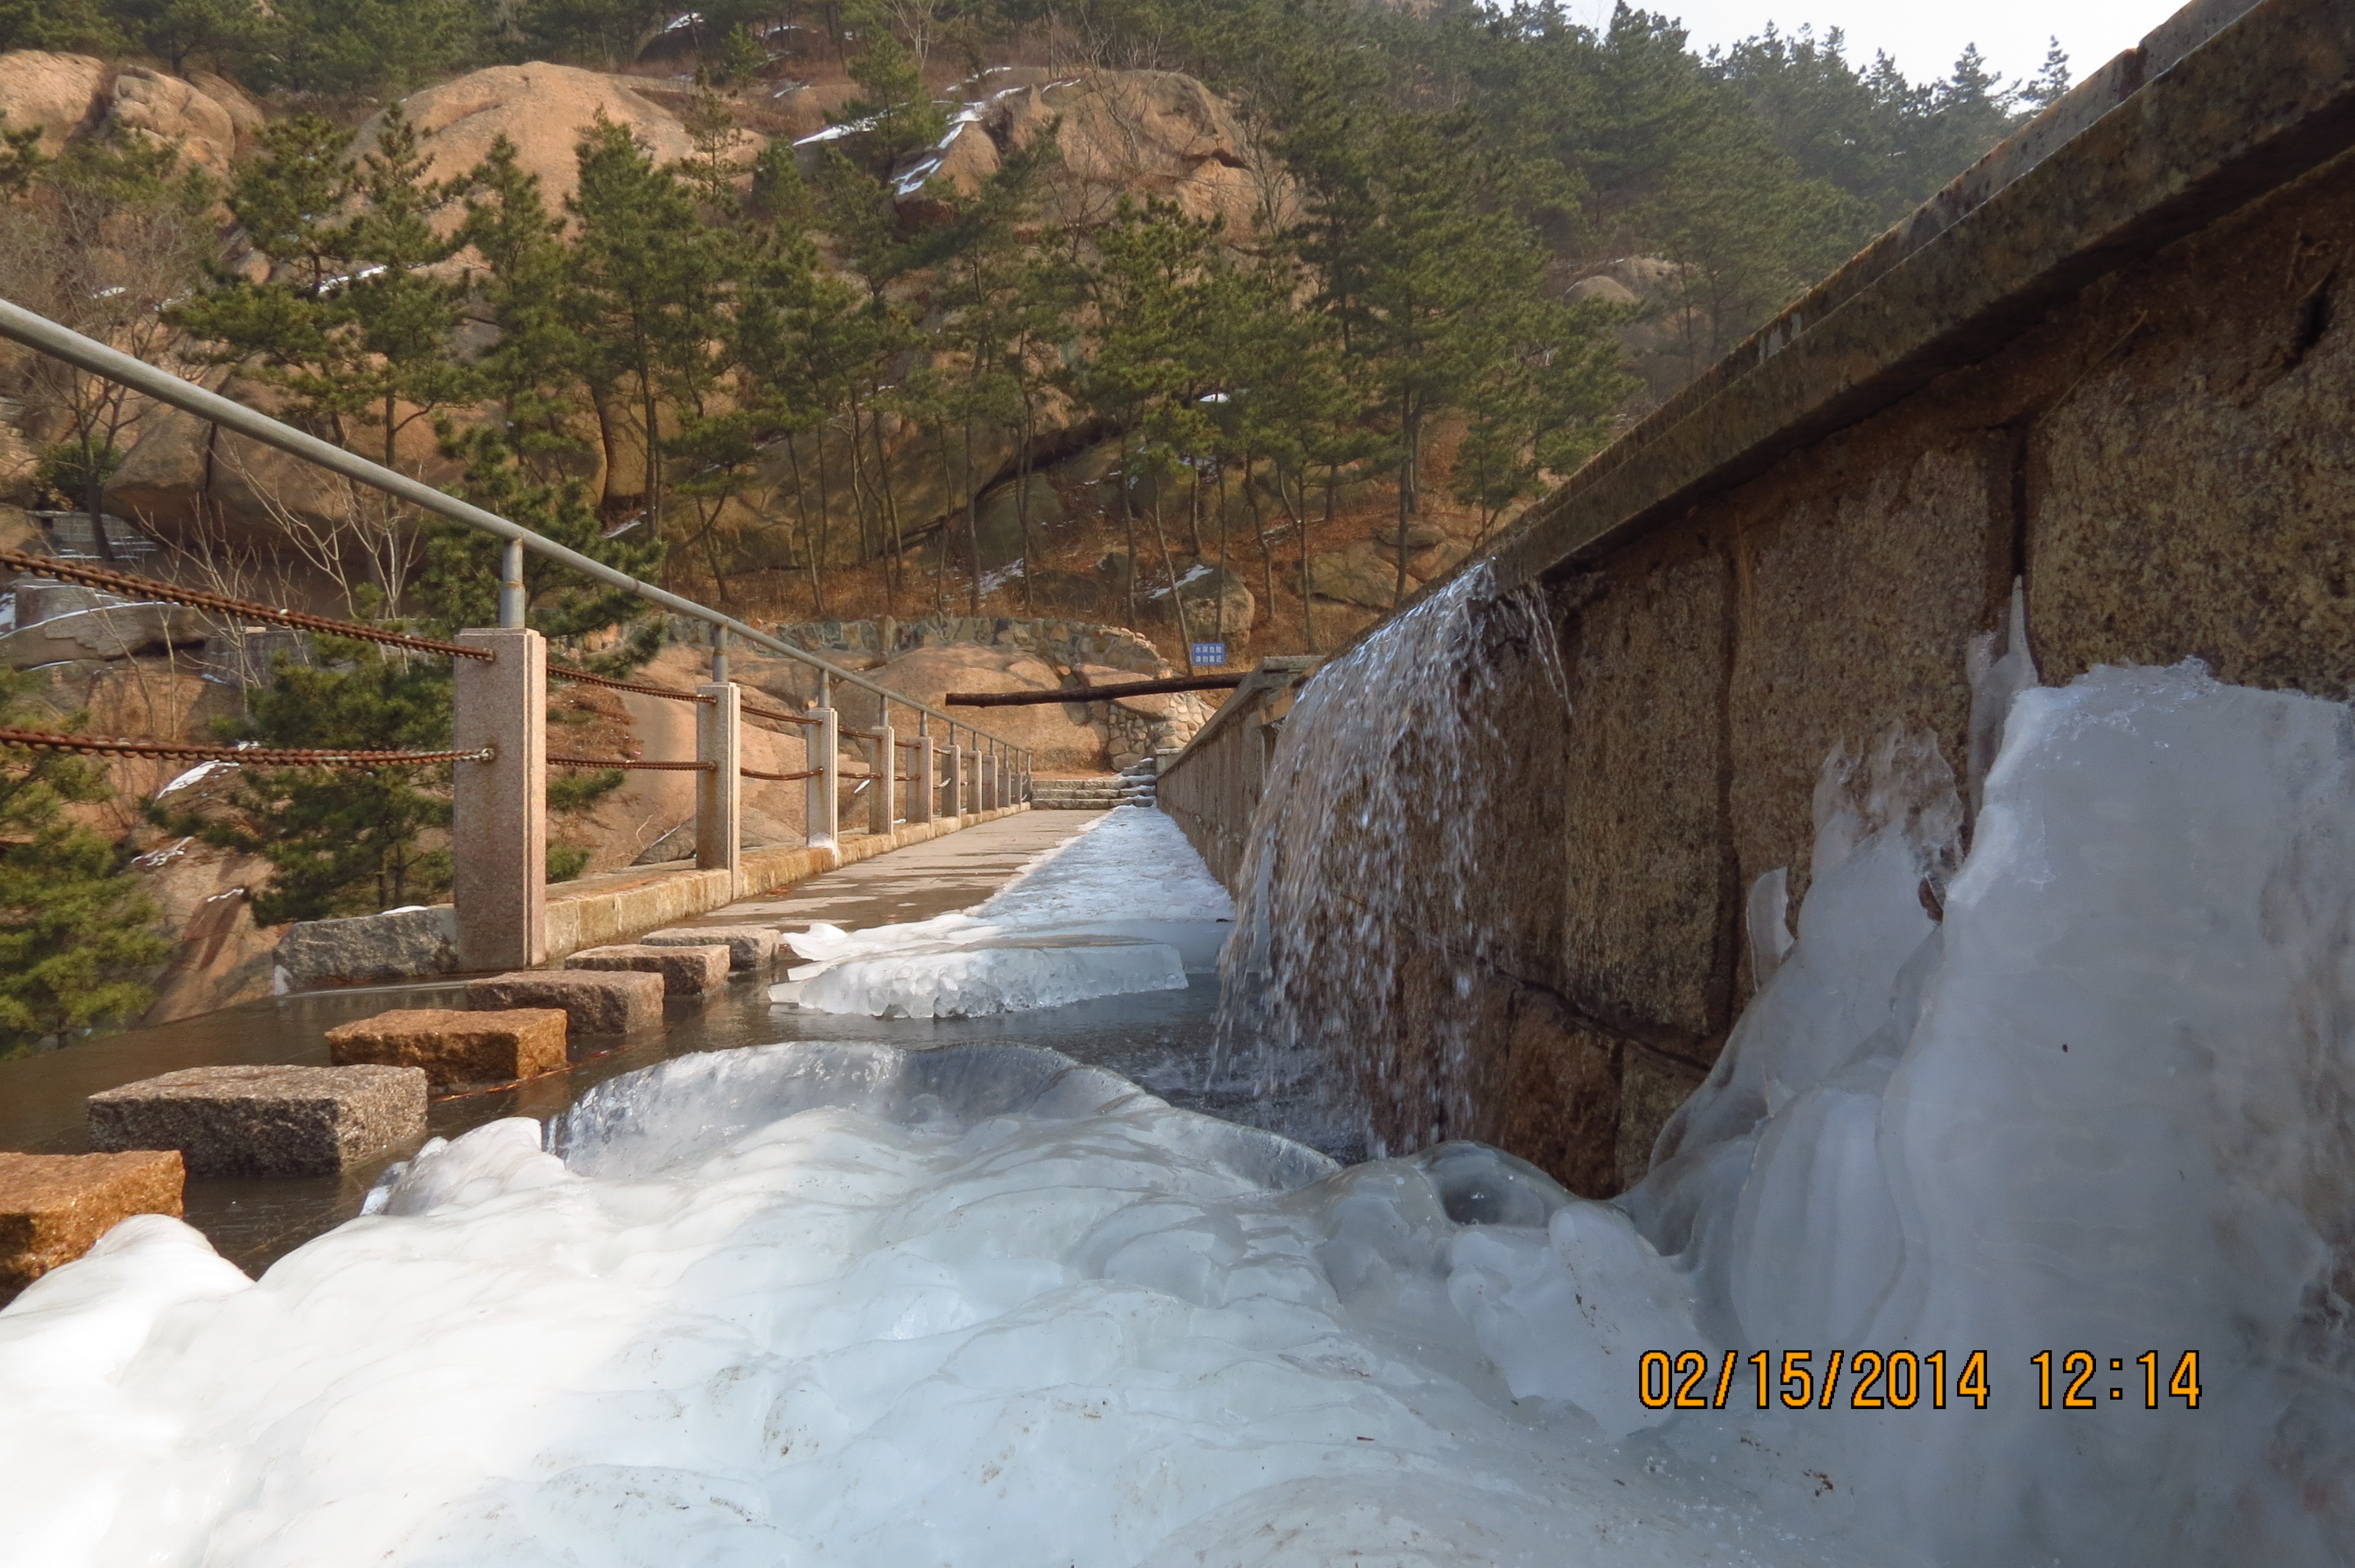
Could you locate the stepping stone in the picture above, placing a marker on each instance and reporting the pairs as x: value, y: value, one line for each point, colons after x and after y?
x: 592, y: 1002
x: 749, y: 946
x: 684, y: 972
x: 265, y: 1122
x: 456, y: 1047
x: 54, y: 1207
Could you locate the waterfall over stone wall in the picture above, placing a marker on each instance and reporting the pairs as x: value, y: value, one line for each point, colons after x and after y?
x: 1405, y: 833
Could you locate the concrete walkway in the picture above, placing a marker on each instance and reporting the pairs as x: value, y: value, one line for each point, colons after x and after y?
x: 916, y: 883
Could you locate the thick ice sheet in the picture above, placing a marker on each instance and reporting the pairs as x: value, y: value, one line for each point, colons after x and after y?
x: 1124, y: 906
x: 2102, y: 1107
x: 835, y: 1304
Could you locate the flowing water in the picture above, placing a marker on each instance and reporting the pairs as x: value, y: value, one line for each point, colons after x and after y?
x: 1368, y: 892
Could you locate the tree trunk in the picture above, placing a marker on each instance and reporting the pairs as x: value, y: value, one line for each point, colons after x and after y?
x: 1022, y: 499
x: 1221, y: 612
x: 891, y: 583
x: 972, y: 523
x: 1405, y: 508
x: 825, y: 533
x: 941, y: 555
x: 1259, y: 531
x: 1128, y: 536
x: 1169, y: 570
x: 801, y: 514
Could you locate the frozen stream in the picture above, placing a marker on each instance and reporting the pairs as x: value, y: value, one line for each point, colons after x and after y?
x: 2084, y: 1090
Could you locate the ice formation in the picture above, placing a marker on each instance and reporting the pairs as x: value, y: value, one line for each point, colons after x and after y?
x: 1124, y: 906
x: 842, y: 1303
x: 2102, y: 1106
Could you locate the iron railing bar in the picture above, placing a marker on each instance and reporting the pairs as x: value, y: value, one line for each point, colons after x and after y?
x: 38, y: 332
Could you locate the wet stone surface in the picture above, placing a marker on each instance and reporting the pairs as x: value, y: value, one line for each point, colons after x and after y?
x: 593, y: 1001
x: 265, y: 1122
x: 54, y: 1206
x: 456, y: 1045
x: 684, y: 972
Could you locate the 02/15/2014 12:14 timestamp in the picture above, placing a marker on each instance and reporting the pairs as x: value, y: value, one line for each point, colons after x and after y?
x: 1894, y: 1380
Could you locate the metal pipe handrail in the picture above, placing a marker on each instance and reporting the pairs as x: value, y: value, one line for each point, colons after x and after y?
x: 38, y: 332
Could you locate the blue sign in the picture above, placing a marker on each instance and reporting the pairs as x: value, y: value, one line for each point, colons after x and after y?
x: 1209, y: 653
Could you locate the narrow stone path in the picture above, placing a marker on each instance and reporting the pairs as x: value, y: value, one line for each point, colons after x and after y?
x: 951, y: 873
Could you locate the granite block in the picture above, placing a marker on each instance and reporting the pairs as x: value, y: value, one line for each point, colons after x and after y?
x: 54, y: 1207
x: 593, y: 1003
x: 265, y: 1122
x: 684, y: 972
x: 455, y: 1046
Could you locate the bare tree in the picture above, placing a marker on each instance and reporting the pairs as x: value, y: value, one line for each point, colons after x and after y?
x: 105, y: 242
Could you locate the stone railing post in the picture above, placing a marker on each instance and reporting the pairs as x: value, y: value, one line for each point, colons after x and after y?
x: 820, y: 743
x: 498, y: 810
x: 952, y: 794
x: 920, y: 787
x: 720, y: 788
x: 879, y: 806
x: 989, y: 777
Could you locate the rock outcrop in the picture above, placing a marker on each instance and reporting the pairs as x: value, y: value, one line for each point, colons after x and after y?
x: 1139, y: 133
x: 71, y: 96
x: 1666, y: 342
x: 59, y: 93
x: 185, y: 473
x: 210, y: 124
x: 544, y: 110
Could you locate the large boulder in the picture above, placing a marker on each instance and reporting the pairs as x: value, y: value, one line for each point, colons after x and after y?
x: 1357, y: 572
x: 1666, y: 342
x: 62, y: 94
x: 1066, y: 737
x: 208, y: 124
x: 1217, y: 603
x: 1139, y: 133
x: 204, y: 897
x: 69, y: 96
x: 544, y: 110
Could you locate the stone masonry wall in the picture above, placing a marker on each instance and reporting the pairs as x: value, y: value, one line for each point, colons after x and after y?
x: 2150, y: 431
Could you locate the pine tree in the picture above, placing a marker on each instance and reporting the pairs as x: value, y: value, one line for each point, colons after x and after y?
x: 531, y: 371
x: 339, y: 841
x: 77, y: 937
x: 642, y: 292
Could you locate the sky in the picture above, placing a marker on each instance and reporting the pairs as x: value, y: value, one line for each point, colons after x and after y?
x: 1925, y: 36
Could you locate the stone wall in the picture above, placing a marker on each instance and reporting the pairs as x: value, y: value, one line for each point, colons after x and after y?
x: 2114, y: 362
x: 1213, y: 786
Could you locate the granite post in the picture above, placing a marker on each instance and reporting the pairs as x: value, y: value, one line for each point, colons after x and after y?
x: 720, y: 788
x: 881, y: 804
x: 818, y: 743
x: 499, y: 808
